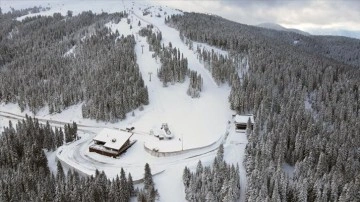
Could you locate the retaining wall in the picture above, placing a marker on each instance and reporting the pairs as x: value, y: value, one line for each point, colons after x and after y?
x: 174, y: 153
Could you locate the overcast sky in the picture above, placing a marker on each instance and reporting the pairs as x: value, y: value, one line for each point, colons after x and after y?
x: 338, y: 17
x: 314, y: 16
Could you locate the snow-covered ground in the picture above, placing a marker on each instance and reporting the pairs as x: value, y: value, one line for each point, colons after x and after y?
x: 70, y: 52
x: 194, y: 122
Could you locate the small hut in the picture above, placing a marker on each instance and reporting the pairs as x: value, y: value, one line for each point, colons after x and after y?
x: 241, y: 122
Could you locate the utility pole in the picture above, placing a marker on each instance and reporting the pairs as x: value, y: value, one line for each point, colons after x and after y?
x: 150, y: 76
x: 142, y: 49
x: 182, y: 142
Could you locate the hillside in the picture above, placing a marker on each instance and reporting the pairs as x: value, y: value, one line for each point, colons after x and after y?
x: 303, y: 102
x: 342, y: 49
x: 82, y: 68
x: 278, y: 27
x: 96, y: 73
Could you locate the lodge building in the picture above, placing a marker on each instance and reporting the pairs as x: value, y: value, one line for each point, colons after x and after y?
x: 110, y: 142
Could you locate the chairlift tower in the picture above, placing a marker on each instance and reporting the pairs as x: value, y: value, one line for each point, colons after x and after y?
x: 150, y: 76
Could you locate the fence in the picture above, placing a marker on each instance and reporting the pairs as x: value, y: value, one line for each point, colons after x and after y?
x: 174, y: 153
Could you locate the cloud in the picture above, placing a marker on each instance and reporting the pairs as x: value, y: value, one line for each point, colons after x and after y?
x: 301, y: 14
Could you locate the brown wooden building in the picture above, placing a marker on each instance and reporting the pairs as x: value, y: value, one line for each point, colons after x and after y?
x: 110, y: 142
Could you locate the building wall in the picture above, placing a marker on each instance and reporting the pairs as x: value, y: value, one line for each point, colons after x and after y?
x: 114, y: 153
x: 102, y: 152
x: 242, y: 126
x: 215, y: 144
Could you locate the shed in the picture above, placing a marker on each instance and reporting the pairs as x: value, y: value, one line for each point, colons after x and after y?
x: 241, y: 121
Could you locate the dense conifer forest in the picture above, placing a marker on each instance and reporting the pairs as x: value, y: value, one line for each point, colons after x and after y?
x: 195, y: 85
x: 58, y: 61
x: 305, y: 144
x: 25, y: 175
x: 174, y: 67
x: 218, y: 182
x: 304, y: 93
x: 149, y: 193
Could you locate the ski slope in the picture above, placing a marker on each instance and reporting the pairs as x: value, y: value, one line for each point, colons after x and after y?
x: 196, y: 123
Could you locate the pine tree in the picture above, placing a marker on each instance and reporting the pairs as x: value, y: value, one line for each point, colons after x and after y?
x: 148, y: 181
x: 210, y: 197
x: 60, y: 172
x: 199, y: 168
x: 322, y: 165
x: 220, y: 153
x: 141, y: 197
x: 151, y: 193
x: 124, y: 188
x: 186, y: 177
x: 130, y: 185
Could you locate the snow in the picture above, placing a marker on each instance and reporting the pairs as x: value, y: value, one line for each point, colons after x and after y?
x: 243, y: 68
x: 288, y: 169
x: 234, y: 152
x: 70, y: 52
x: 52, y: 163
x: 122, y: 27
x: 243, y: 118
x: 207, y: 47
x: 307, y: 103
x: 199, y: 125
x: 12, y: 33
x: 113, y: 139
x: 173, y: 191
x: 2, y: 125
x: 6, y: 5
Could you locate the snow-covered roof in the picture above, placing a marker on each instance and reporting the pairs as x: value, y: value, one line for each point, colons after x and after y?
x: 166, y: 131
x: 244, y: 118
x: 113, y: 139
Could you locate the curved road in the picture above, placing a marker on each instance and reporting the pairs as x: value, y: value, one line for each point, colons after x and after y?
x: 87, y: 162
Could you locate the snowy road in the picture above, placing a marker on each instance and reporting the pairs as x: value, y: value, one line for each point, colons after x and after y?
x: 75, y: 151
x: 76, y: 155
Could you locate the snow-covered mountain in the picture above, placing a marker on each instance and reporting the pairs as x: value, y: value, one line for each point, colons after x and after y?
x: 199, y: 125
x: 278, y: 27
x: 140, y: 67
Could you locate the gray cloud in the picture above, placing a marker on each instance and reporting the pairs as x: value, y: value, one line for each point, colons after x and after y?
x: 307, y: 15
x: 265, y: 3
